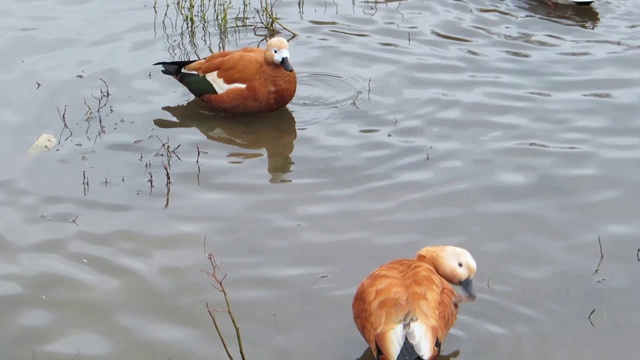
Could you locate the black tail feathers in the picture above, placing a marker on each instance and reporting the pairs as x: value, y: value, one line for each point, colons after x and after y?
x: 196, y: 84
x: 408, y: 352
x: 173, y: 68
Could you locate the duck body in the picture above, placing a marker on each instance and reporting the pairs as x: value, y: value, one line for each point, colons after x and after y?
x: 405, y: 308
x: 247, y: 80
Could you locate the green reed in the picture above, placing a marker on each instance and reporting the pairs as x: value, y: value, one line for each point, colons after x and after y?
x: 192, y: 18
x: 268, y: 19
x: 221, y: 20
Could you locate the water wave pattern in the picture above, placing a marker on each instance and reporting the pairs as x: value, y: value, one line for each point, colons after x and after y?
x: 506, y: 127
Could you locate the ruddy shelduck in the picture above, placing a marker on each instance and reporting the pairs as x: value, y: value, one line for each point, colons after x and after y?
x: 405, y: 308
x: 247, y: 80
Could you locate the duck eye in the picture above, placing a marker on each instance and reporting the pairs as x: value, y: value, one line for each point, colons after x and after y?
x: 459, y: 264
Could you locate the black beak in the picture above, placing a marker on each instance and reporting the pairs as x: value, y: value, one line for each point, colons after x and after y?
x: 285, y: 64
x: 467, y: 286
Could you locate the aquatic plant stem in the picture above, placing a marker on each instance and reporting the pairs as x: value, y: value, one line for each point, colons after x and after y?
x: 271, y: 18
x: 215, y: 324
x: 589, y: 317
x: 233, y: 320
x: 597, y: 269
x: 220, y: 287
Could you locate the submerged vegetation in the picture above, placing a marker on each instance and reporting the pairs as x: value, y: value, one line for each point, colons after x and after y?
x: 195, y: 20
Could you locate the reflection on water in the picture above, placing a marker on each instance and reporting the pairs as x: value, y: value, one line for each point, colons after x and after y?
x: 583, y: 16
x: 368, y: 355
x: 275, y: 132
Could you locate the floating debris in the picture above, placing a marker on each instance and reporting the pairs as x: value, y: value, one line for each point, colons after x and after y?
x: 44, y: 142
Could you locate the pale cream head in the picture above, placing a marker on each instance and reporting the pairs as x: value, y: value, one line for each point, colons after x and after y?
x: 277, y: 53
x: 454, y: 264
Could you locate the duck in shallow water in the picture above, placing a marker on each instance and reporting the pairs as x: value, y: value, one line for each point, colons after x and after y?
x: 405, y: 308
x: 247, y: 80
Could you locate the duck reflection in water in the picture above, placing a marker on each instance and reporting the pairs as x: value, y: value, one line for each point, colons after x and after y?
x: 275, y: 132
x: 567, y: 14
x: 368, y: 355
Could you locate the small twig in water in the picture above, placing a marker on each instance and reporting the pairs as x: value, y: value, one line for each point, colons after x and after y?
x: 601, y: 257
x: 394, y: 125
x: 212, y: 314
x: 168, y: 151
x: 638, y: 254
x: 63, y: 118
x: 104, y: 95
x: 354, y: 102
x: 167, y: 196
x: 89, y: 112
x: 74, y: 220
x: 218, y: 276
x: 198, y: 164
x: 167, y: 174
x: 589, y: 317
x: 85, y: 182
x: 150, y: 181
x: 323, y: 276
x: 103, y: 100
x: 369, y: 90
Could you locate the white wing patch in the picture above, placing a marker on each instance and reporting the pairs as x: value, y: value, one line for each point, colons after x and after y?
x: 220, y: 85
x: 398, y: 335
x: 420, y: 337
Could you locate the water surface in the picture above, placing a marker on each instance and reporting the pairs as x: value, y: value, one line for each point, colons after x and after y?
x: 506, y: 127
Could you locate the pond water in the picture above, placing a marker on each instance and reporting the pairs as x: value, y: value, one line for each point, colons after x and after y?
x: 506, y: 127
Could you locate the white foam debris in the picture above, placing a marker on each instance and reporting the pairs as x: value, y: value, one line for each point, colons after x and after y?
x: 44, y: 142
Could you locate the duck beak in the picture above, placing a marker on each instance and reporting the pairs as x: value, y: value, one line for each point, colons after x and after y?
x: 467, y: 286
x: 285, y: 64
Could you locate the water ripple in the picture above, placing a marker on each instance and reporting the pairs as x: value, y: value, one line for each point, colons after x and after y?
x: 320, y: 91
